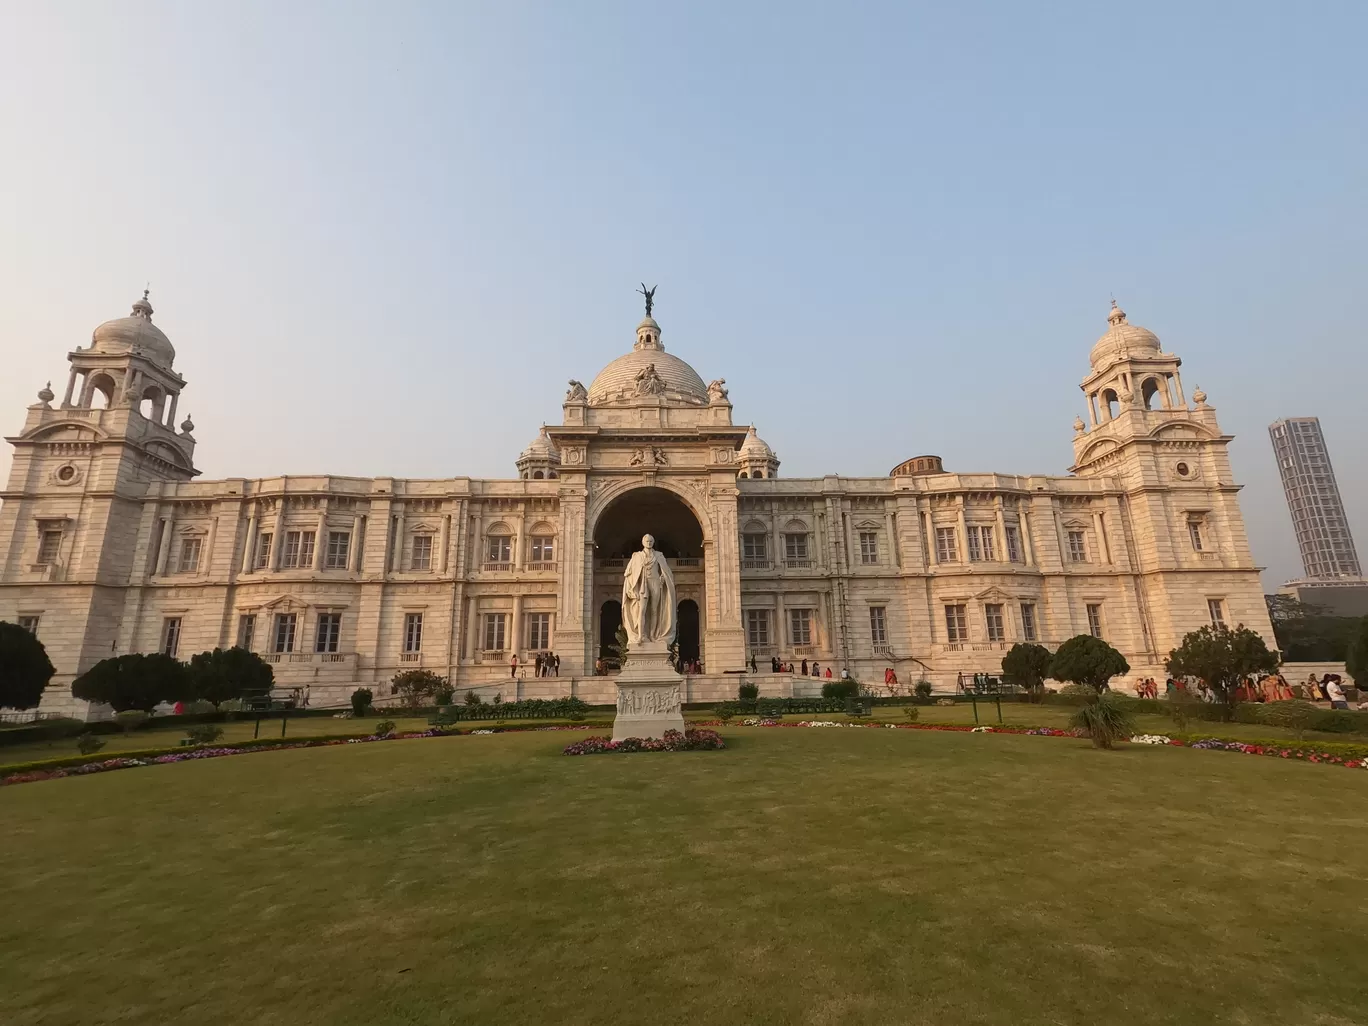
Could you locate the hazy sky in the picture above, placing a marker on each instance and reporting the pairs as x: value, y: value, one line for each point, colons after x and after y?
x: 381, y: 237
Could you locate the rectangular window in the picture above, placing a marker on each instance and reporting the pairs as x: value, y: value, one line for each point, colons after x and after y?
x: 878, y: 625
x: 758, y: 627
x: 1195, y: 534
x: 956, y: 624
x: 800, y: 626
x: 538, y: 631
x: 795, y: 547
x: 1028, y: 621
x: 992, y: 618
x: 753, y: 546
x: 246, y: 634
x: 189, y: 555
x: 421, y: 556
x: 500, y: 548
x: 1013, y: 544
x: 494, y: 631
x: 329, y: 632
x: 869, y: 547
x: 543, y: 549
x: 298, y: 551
x: 49, y: 545
x: 1078, y: 549
x: 284, y: 639
x: 171, y: 632
x: 263, y: 554
x: 1095, y: 619
x: 413, y: 632
x: 30, y: 624
x: 1217, y: 612
x: 946, y: 549
x: 339, y: 548
x: 980, y: 544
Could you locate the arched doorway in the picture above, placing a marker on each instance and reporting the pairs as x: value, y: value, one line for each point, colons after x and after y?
x: 610, y: 619
x: 687, y: 634
x: 658, y: 512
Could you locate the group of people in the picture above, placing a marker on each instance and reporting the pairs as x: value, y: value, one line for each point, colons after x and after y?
x: 778, y: 665
x: 547, y: 664
x: 1272, y: 688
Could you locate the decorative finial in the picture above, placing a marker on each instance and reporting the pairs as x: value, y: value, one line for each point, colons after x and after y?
x: 650, y: 296
x: 45, y: 394
x: 187, y: 425
x: 1116, y: 315
x: 1198, y: 396
x: 1079, y: 426
x: 142, y: 308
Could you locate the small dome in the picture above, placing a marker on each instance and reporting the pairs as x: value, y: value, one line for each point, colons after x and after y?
x: 540, y: 448
x: 134, y: 334
x: 1122, y: 340
x: 754, y: 447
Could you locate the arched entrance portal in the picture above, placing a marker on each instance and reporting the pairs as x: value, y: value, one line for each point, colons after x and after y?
x: 610, y: 619
x: 678, y: 536
x: 688, y: 631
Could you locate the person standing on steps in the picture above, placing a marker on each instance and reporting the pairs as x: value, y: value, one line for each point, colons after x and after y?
x: 513, y: 667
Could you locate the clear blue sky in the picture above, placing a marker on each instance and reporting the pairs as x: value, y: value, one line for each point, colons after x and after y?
x: 382, y: 237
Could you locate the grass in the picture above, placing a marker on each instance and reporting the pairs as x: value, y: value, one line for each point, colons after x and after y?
x: 812, y: 877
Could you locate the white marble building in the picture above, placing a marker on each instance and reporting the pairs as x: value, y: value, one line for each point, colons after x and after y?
x: 110, y: 543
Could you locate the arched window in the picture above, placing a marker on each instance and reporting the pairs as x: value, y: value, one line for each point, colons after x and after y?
x: 151, y: 403
x: 744, y: 475
x: 101, y: 392
x: 1111, y: 403
x: 1149, y: 390
x: 550, y: 473
x: 537, y: 475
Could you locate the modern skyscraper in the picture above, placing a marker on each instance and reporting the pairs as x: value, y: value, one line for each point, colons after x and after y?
x: 1313, y: 498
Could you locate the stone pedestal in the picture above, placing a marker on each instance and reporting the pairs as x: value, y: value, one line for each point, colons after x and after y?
x: 649, y: 695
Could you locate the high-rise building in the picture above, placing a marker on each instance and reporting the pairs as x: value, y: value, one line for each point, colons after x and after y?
x: 1313, y: 498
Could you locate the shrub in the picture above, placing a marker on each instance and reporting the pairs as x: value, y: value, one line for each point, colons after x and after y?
x: 25, y: 668
x: 1079, y: 691
x: 698, y: 740
x: 384, y: 728
x: 130, y: 719
x: 528, y: 709
x: 1026, y: 666
x: 841, y: 689
x: 1183, y: 707
x: 204, y: 733
x: 1084, y: 659
x: 1104, y: 720
x: 911, y: 712
x: 498, y: 698
x: 361, y: 700
x: 747, y: 692
x: 473, y: 698
x: 923, y: 689
x: 444, y: 694
x: 1295, y: 715
x: 725, y: 711
x: 89, y: 744
x: 229, y: 673
x: 417, y: 687
x: 135, y: 681
x: 1223, y: 658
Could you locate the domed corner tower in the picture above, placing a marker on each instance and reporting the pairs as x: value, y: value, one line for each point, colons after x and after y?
x: 1166, y: 483
x: 540, y: 460
x: 756, y: 460
x: 77, y: 526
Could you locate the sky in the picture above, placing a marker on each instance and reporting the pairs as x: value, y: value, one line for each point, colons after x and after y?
x: 382, y: 237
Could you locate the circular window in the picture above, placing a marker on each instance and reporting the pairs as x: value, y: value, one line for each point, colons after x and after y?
x: 66, y: 473
x: 1182, y: 469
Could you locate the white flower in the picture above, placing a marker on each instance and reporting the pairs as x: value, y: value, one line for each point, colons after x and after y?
x: 981, y: 730
x: 819, y: 723
x: 474, y: 732
x: 1150, y: 739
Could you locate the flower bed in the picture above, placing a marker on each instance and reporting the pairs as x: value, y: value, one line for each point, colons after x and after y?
x: 690, y: 741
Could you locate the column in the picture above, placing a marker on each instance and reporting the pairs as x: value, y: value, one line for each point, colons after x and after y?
x: 893, y: 538
x: 515, y: 628
x: 446, y: 541
x: 1059, y: 538
x: 780, y: 626
x: 71, y: 387
x: 963, y: 545
x: 1027, y: 548
x: 1000, y: 553
x: 164, y: 553
x: 1103, y: 549
x: 929, y: 533
x: 278, y: 538
x: 321, y: 537
x: 171, y: 417
x: 397, y: 550
x: 357, y: 538
x: 250, y: 543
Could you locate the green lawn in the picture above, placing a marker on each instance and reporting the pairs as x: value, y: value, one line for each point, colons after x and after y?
x: 801, y: 876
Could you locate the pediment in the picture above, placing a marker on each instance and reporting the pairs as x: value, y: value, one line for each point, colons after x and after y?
x: 169, y: 453
x: 1098, y: 449
x: 285, y: 604
x: 66, y: 433
x: 1185, y: 432
x: 868, y: 525
x: 993, y: 594
x: 423, y: 529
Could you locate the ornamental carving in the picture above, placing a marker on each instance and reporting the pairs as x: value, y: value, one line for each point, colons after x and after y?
x: 648, y: 701
x: 650, y: 456
x: 649, y: 382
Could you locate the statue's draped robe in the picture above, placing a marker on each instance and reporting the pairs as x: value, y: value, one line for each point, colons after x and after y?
x: 648, y: 599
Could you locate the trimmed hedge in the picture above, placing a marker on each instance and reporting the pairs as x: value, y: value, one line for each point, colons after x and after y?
x: 527, y: 709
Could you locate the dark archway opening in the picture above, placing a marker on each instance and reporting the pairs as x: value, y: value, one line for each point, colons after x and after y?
x: 687, y: 634
x: 610, y: 619
x: 654, y: 511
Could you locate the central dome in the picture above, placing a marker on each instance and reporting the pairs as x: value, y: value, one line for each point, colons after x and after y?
x: 628, y: 377
x: 134, y: 334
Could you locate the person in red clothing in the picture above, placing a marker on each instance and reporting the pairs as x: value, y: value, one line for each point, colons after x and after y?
x: 828, y: 673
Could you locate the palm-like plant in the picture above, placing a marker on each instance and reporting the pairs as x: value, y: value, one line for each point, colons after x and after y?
x: 1104, y: 720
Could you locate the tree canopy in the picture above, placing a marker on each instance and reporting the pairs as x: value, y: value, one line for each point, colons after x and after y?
x: 25, y: 668
x: 135, y: 681
x: 1309, y: 633
x: 1223, y: 657
x: 1084, y: 659
x: 415, y: 686
x: 1356, y: 659
x: 1026, y: 665
x: 228, y: 673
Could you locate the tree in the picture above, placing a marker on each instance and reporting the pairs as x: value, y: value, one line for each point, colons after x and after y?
x: 1026, y: 666
x: 1104, y: 720
x: 1084, y: 659
x: 1223, y: 658
x: 1356, y: 659
x: 1306, y: 632
x: 25, y: 668
x: 228, y: 673
x: 136, y: 681
x: 416, y: 686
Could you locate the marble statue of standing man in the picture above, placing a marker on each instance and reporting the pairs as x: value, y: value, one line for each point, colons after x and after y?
x: 648, y: 598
